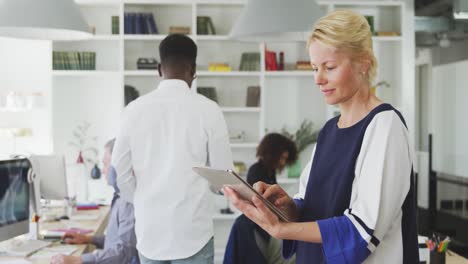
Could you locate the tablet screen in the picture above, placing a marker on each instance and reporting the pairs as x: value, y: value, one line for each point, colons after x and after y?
x: 220, y: 178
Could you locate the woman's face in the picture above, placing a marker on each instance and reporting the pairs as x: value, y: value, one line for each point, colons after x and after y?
x: 283, y: 160
x: 337, y: 77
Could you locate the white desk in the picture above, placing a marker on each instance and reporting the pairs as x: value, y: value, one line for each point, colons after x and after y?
x: 98, y: 226
x: 454, y: 258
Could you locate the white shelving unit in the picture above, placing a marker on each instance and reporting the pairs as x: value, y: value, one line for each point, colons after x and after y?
x: 287, y: 97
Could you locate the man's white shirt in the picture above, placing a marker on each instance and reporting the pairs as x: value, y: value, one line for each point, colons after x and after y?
x: 162, y: 136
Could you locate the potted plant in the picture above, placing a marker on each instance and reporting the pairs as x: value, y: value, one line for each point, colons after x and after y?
x: 87, y: 157
x: 303, y: 137
x: 84, y: 144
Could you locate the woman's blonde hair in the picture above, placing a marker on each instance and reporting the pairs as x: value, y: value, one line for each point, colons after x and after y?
x: 349, y: 31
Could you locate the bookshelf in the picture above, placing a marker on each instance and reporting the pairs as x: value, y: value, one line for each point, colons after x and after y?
x: 287, y: 97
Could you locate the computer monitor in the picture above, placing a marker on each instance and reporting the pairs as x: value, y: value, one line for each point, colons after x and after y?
x: 50, y: 171
x: 14, y: 198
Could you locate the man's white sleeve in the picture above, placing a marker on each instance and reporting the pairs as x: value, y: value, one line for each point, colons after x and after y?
x: 122, y: 162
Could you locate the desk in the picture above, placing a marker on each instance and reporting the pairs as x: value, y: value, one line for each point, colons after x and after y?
x: 454, y: 258
x: 98, y: 226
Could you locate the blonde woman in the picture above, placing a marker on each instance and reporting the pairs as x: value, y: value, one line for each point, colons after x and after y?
x: 356, y: 201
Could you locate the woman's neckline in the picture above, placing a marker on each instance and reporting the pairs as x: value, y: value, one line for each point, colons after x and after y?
x: 360, y: 121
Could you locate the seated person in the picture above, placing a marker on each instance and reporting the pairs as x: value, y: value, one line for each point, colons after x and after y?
x: 274, y: 153
x: 119, y: 245
x: 248, y: 243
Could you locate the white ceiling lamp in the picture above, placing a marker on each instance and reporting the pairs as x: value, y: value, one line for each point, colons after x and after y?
x: 460, y: 9
x: 276, y: 20
x: 42, y: 19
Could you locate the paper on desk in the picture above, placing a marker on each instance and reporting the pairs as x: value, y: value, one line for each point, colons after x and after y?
x: 55, y: 250
x: 84, y: 217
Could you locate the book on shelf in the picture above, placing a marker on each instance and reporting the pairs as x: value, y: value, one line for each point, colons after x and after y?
x: 209, y: 92
x: 253, y: 96
x: 270, y: 61
x: 139, y: 23
x: 219, y: 67
x: 68, y: 60
x: 281, y: 61
x: 370, y: 21
x: 179, y: 30
x: 205, y: 26
x: 115, y: 25
x: 250, y: 61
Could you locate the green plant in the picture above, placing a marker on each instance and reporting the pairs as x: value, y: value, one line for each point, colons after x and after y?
x: 304, y: 136
x: 84, y: 144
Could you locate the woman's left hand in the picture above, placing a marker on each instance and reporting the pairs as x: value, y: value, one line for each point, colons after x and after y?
x: 256, y: 211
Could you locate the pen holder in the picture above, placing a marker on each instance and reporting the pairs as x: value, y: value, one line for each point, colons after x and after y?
x: 437, y: 258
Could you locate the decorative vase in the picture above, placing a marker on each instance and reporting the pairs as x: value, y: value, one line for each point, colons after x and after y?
x: 294, y: 170
x: 95, y: 172
x: 80, y: 159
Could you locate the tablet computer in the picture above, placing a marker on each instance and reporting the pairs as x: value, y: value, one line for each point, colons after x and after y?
x: 220, y: 178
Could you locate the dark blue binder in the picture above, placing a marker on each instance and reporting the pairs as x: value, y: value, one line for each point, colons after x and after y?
x: 152, y: 23
x: 126, y: 23
x: 138, y: 23
x: 144, y: 23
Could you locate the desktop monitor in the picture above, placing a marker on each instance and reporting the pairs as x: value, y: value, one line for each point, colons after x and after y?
x: 14, y: 198
x: 50, y: 171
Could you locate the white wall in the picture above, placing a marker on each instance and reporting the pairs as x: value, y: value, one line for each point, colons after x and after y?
x: 450, y: 128
x: 25, y: 67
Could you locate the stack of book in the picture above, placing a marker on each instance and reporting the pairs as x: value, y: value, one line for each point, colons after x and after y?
x: 63, y: 60
x: 205, y: 26
x: 219, y: 67
x: 139, y: 23
x: 250, y: 61
x: 303, y: 66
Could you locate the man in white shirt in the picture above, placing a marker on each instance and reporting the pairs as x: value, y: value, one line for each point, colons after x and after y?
x: 162, y: 136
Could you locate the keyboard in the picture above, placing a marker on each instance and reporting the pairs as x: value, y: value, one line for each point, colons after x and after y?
x: 24, y: 247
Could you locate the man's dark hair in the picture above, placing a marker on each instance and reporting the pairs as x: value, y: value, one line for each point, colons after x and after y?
x: 271, y: 148
x: 176, y: 49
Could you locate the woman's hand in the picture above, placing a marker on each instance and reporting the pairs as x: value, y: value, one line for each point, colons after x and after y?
x: 279, y: 197
x: 257, y: 212
x: 75, y: 238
